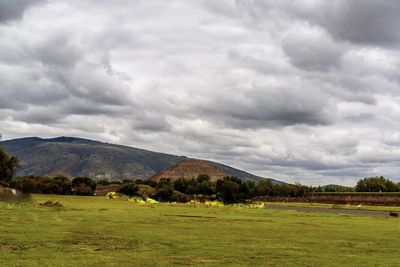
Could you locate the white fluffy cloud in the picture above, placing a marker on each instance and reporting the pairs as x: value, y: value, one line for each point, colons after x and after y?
x: 305, y: 91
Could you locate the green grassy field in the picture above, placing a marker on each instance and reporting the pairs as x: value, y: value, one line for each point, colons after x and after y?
x: 93, y: 231
x: 334, y: 206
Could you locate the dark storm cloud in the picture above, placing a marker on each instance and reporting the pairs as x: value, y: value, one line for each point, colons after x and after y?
x: 56, y: 52
x: 304, y: 89
x: 152, y: 125
x: 263, y: 107
x: 312, y: 49
x: 37, y: 115
x: 20, y: 87
x: 14, y: 9
x: 370, y: 22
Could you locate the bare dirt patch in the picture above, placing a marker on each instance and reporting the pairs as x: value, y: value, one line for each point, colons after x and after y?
x: 53, y: 204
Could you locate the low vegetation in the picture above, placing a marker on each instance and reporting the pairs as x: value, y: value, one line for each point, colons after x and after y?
x: 95, y: 231
x: 7, y: 167
x: 66, y: 225
x: 230, y: 189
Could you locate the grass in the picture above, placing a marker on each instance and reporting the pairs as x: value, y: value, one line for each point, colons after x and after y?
x: 356, y: 193
x: 93, y: 231
x: 334, y: 206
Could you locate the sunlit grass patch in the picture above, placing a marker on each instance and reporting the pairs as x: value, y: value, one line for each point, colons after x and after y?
x: 97, y: 231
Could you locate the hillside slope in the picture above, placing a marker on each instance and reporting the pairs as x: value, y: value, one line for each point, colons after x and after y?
x: 82, y: 157
x: 85, y: 157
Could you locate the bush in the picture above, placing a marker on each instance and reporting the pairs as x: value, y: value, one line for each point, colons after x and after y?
x: 103, y: 182
x: 203, y: 178
x: 146, y: 191
x: 83, y: 181
x: 164, y: 190
x: 26, y: 184
x: 43, y: 185
x: 83, y: 190
x: 181, y: 185
x: 376, y: 184
x: 227, y: 189
x: 180, y: 197
x: 129, y: 189
x: 7, y: 167
x: 164, y: 194
x: 263, y: 188
x: 58, y: 185
x: 83, y: 186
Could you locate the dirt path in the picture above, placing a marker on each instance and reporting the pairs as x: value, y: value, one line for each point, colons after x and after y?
x: 327, y: 210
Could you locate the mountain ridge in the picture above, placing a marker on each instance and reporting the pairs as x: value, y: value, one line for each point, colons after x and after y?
x: 99, y: 160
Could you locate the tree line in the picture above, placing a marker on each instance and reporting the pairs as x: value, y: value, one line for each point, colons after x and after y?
x: 230, y: 189
x: 58, y: 185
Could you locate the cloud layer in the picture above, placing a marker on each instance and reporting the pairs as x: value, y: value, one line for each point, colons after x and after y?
x: 303, y: 92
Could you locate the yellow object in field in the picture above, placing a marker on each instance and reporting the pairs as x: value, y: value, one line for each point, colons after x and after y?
x: 112, y: 195
x: 151, y: 201
x: 194, y: 203
x: 214, y: 203
x: 256, y: 205
x: 136, y: 200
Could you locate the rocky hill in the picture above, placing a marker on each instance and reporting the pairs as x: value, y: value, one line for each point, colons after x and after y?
x: 82, y: 157
x: 191, y: 168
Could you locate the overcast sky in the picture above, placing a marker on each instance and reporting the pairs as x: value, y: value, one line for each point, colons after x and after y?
x: 302, y: 91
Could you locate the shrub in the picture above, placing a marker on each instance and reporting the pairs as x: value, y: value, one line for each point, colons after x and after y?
x: 83, y: 181
x: 146, y: 191
x: 45, y: 185
x: 264, y: 188
x: 129, y: 189
x: 7, y: 167
x: 83, y: 190
x: 164, y: 190
x: 181, y: 185
x: 376, y: 184
x: 180, y: 197
x: 228, y: 188
x: 103, y: 182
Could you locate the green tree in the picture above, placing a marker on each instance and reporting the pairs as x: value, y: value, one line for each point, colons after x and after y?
x: 181, y: 185
x: 202, y: 185
x: 228, y: 189
x: 42, y: 185
x: 164, y: 190
x: 83, y: 186
x: 7, y: 167
x: 203, y: 178
x: 26, y: 184
x: 103, y: 182
x: 59, y: 185
x: 129, y: 189
x: 376, y: 184
x: 246, y: 190
x: 264, y: 187
x: 282, y: 190
x: 317, y: 189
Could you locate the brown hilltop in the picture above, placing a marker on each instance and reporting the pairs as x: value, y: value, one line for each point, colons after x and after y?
x: 191, y: 168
